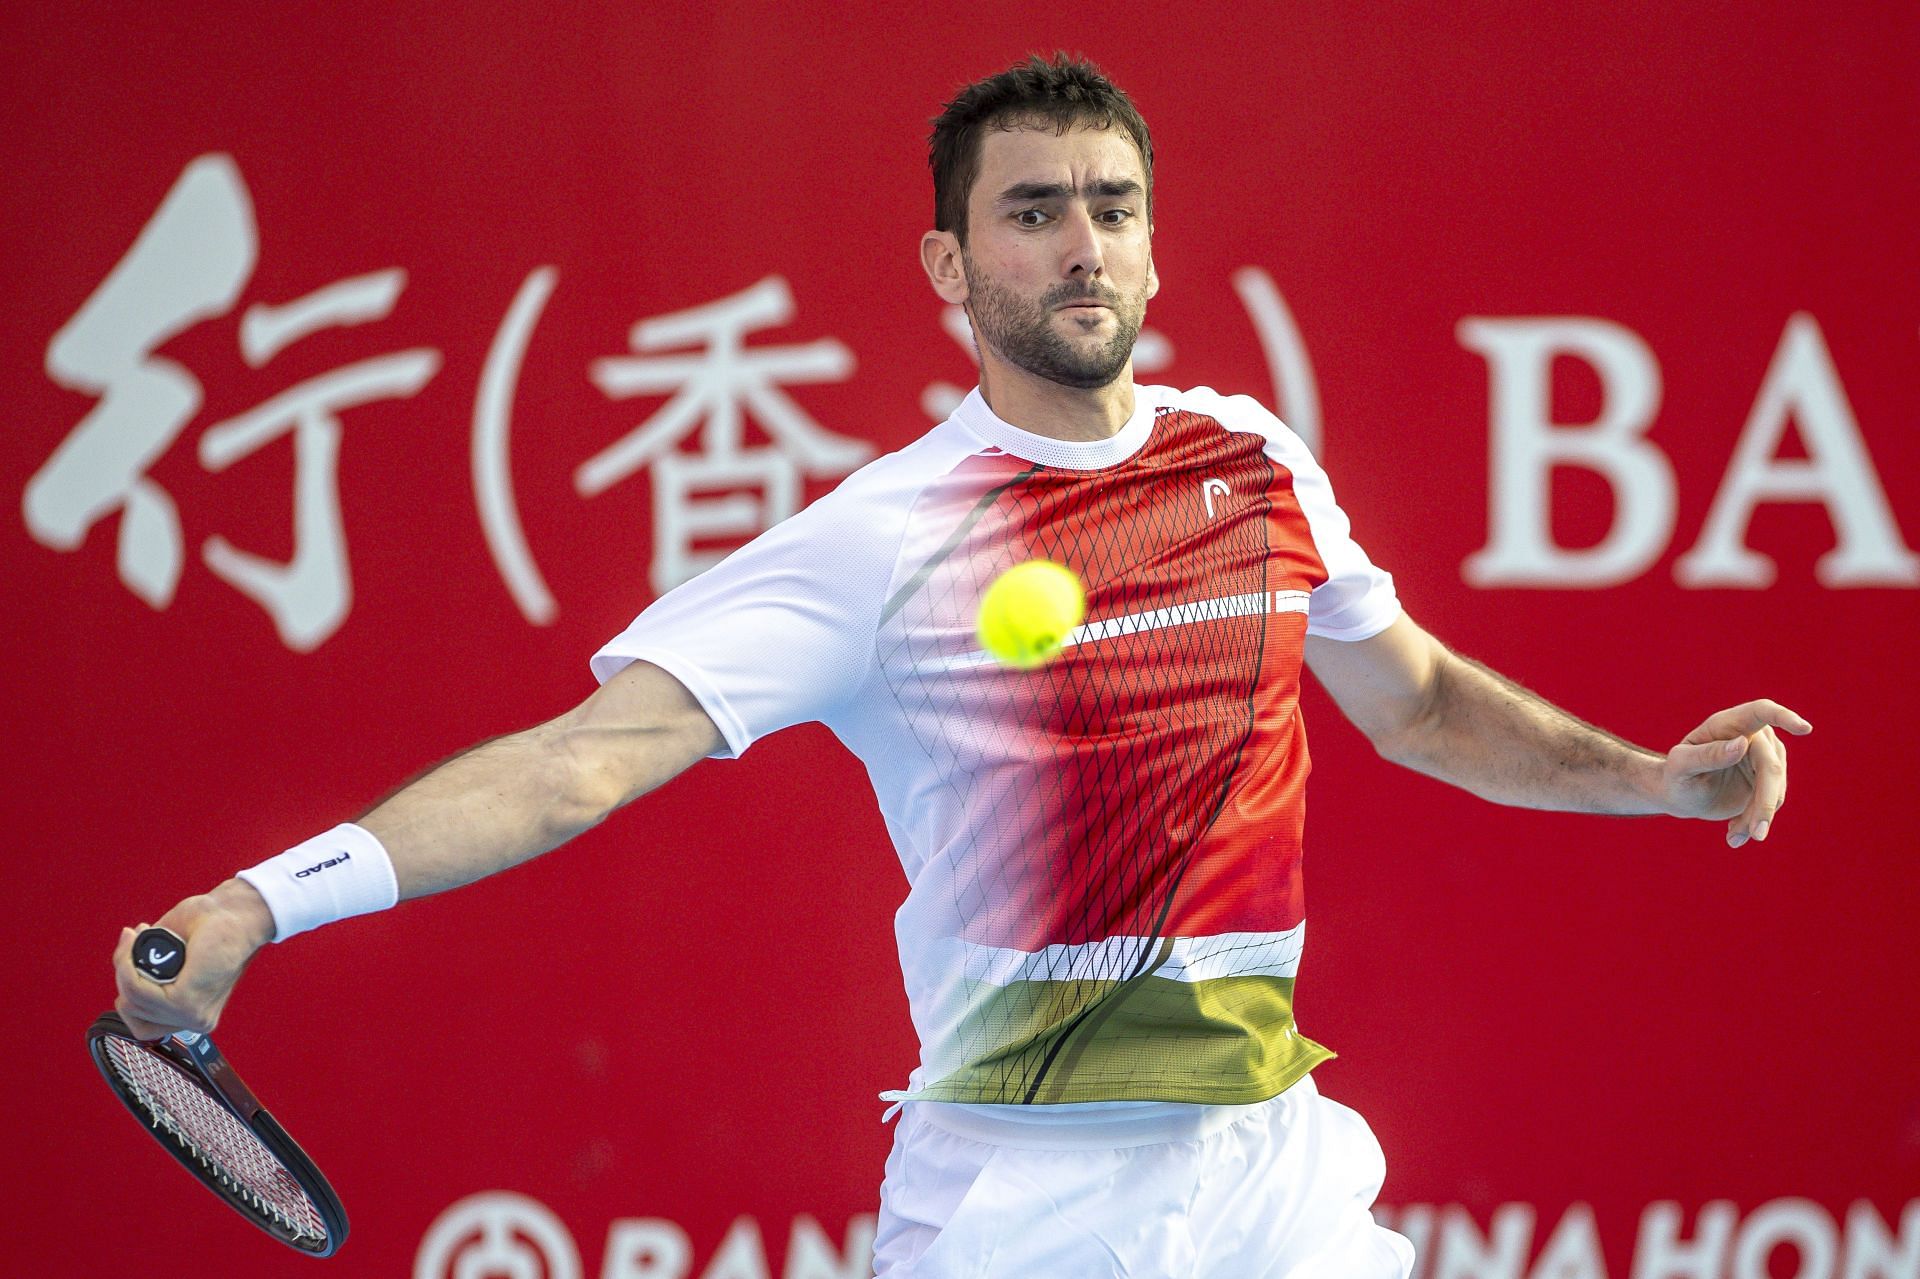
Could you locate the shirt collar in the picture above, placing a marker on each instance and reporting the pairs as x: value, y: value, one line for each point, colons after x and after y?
x: 1076, y: 455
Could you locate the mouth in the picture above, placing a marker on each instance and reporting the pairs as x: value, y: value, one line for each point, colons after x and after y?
x: 1083, y: 308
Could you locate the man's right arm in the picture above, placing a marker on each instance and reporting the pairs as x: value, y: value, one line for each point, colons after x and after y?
x: 495, y: 806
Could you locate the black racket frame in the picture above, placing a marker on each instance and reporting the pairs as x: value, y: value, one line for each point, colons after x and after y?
x: 207, y: 1068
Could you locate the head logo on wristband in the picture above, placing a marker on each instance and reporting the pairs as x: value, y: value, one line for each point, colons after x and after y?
x: 343, y: 873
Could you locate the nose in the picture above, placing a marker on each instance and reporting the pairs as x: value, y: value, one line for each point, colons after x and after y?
x: 1082, y: 256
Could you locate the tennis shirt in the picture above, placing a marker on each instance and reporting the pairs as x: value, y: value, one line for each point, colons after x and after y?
x: 1103, y: 853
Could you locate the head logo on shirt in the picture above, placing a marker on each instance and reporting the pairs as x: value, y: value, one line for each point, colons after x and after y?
x: 1209, y: 488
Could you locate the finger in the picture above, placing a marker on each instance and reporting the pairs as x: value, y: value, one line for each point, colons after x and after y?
x: 1749, y: 718
x: 151, y: 1020
x: 148, y: 1022
x: 145, y: 1017
x: 139, y: 1026
x: 1694, y: 759
x: 1765, y: 787
x: 127, y: 979
x: 147, y: 1007
x: 1769, y: 756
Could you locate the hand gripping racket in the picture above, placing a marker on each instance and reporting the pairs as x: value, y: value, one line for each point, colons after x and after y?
x: 182, y: 1089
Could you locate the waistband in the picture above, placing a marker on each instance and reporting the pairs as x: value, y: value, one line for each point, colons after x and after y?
x: 1102, y: 1125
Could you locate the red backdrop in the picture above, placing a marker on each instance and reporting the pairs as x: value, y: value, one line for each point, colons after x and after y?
x: 1451, y: 244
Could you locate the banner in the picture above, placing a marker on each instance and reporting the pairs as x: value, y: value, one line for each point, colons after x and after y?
x: 367, y: 369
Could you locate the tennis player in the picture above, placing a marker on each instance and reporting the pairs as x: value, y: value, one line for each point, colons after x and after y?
x: 1105, y: 917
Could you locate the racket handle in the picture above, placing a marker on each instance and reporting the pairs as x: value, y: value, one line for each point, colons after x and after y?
x: 159, y: 954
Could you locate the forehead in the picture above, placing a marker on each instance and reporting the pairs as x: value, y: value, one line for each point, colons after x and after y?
x: 1081, y: 154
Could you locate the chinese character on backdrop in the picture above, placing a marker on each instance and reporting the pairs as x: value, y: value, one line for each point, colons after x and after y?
x: 190, y: 264
x: 730, y: 490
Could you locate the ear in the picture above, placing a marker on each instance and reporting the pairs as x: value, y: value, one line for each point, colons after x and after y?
x: 940, y: 258
x: 1153, y: 278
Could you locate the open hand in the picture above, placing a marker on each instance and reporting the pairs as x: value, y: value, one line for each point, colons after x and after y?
x: 1733, y: 766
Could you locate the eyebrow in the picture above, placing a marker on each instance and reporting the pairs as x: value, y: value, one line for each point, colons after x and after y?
x: 1024, y: 192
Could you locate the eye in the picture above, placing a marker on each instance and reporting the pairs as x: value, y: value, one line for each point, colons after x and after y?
x: 1030, y: 217
x: 1115, y: 217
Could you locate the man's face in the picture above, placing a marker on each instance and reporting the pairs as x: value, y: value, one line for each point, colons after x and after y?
x: 1059, y: 254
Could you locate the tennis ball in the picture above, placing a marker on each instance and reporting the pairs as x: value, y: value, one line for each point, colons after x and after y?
x: 1028, y: 610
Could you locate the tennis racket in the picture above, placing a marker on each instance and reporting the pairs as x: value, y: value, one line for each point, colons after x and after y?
x: 182, y: 1089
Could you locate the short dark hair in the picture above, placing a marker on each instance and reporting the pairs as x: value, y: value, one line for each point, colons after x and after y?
x: 1064, y: 93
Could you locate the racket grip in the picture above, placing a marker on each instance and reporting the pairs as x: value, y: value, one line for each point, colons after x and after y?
x: 160, y: 954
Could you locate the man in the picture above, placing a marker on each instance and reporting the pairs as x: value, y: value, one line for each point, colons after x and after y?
x: 1105, y: 915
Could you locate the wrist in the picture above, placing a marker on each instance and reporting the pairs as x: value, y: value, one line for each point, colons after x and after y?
x: 243, y: 902
x: 333, y: 876
x: 1651, y: 782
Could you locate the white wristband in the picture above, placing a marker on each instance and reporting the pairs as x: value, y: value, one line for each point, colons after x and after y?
x: 342, y: 873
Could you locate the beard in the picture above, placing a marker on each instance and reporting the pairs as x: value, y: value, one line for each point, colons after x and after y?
x: 1021, y: 331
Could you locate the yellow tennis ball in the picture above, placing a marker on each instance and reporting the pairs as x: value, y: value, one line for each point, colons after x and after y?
x: 1028, y: 610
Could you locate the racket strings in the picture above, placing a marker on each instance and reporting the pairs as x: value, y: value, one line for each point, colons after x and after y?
x: 224, y: 1147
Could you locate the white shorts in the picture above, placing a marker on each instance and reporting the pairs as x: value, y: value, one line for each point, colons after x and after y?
x: 1281, y: 1191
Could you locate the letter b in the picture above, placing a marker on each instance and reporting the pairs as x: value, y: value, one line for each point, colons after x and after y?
x: 1527, y: 445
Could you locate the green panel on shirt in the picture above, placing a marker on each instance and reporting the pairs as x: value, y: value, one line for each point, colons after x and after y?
x: 1231, y: 1040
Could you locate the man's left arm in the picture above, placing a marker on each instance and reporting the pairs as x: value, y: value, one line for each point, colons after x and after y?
x: 1432, y: 710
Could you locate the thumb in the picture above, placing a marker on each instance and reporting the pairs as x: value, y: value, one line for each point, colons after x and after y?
x: 1706, y: 757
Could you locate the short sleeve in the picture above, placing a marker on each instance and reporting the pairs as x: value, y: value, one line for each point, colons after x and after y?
x: 1357, y: 601
x: 778, y: 633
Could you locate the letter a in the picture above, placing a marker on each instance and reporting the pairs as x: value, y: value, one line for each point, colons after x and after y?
x: 1801, y: 384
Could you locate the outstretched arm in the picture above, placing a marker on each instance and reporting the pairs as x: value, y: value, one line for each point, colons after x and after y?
x: 1427, y: 707
x: 499, y: 804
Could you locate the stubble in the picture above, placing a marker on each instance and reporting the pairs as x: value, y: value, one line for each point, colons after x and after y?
x: 1022, y: 333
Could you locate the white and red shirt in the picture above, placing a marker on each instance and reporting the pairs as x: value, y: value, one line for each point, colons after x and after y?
x: 1104, y: 853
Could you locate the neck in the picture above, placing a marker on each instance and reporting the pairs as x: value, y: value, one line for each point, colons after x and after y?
x: 1034, y: 404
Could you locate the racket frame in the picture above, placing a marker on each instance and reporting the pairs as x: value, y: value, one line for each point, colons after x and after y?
x: 206, y: 1067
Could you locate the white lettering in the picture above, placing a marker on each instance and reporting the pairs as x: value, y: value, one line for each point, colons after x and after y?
x: 1501, y: 1253
x: 715, y: 389
x: 1573, y: 1251
x: 740, y: 1255
x: 1802, y: 386
x: 1415, y: 1222
x: 497, y: 1232
x: 811, y: 1255
x: 1296, y: 396
x: 1527, y: 445
x: 1871, y: 1253
x: 1800, y: 1223
x: 1723, y: 1245
x: 493, y: 491
x: 190, y: 263
x: 1660, y: 1254
x: 309, y: 596
x: 646, y: 1248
